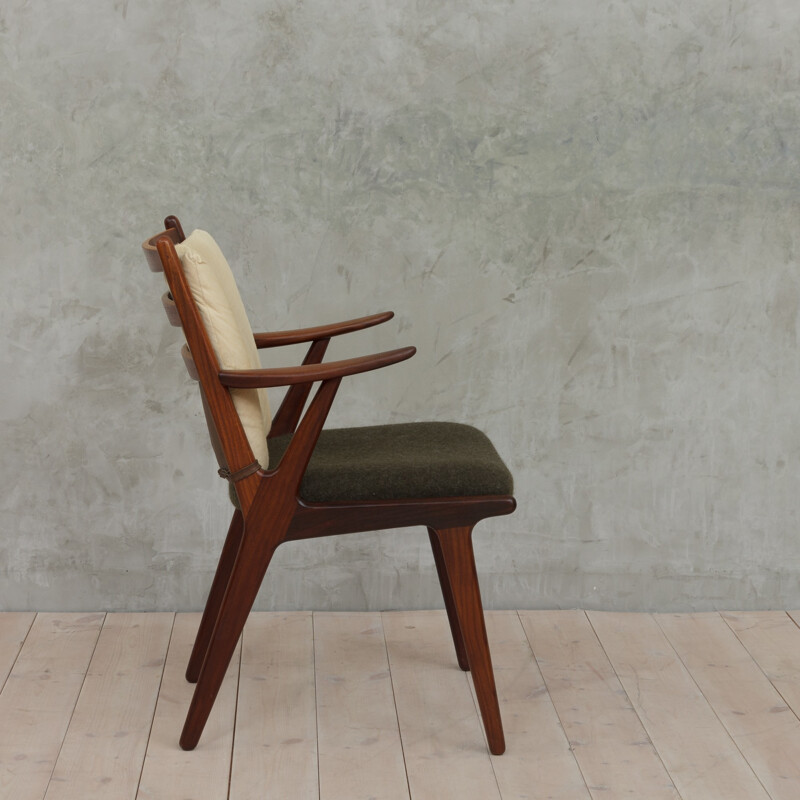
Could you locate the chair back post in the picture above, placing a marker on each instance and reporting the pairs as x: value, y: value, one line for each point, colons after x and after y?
x: 172, y: 222
x: 223, y: 420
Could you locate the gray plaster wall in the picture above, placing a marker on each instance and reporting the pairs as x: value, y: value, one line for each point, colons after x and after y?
x: 585, y: 215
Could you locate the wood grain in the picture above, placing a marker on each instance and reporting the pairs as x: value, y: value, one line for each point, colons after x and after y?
x: 320, y: 332
x: 701, y: 757
x: 610, y: 744
x: 763, y: 727
x: 275, y: 754
x: 462, y: 577
x: 104, y: 747
x: 360, y: 756
x: 308, y: 373
x: 773, y: 639
x: 724, y: 742
x: 442, y: 737
x: 216, y: 594
x: 38, y: 699
x: 538, y: 763
x: 14, y: 627
x: 291, y: 408
x: 170, y: 773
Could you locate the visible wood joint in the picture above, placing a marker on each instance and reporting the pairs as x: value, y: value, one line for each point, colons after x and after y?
x: 191, y: 367
x: 172, y: 310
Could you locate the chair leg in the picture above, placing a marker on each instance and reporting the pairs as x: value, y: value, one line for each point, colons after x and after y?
x: 449, y: 603
x: 218, y: 586
x: 248, y: 571
x: 459, y: 562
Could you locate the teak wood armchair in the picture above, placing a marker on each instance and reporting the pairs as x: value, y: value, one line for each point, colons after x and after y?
x: 313, y: 482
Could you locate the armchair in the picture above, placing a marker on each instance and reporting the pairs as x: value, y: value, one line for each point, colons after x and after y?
x: 292, y: 479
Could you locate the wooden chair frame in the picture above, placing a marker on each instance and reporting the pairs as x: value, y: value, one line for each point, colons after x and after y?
x: 271, y: 511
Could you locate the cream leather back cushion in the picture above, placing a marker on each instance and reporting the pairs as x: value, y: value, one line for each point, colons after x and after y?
x: 217, y: 297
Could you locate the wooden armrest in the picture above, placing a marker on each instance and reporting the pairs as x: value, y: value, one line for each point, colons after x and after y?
x: 278, y: 338
x: 308, y: 373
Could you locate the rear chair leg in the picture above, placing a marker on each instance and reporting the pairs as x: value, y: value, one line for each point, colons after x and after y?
x: 218, y: 586
x: 248, y: 571
x: 459, y: 564
x: 449, y: 603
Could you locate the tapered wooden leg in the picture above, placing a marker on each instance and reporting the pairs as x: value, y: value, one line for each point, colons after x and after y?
x: 449, y: 603
x: 218, y: 586
x: 251, y: 564
x: 459, y: 562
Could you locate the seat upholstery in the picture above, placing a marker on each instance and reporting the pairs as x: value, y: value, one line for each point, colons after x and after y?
x: 392, y: 462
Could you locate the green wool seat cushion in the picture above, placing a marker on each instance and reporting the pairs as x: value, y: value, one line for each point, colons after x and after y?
x: 395, y: 462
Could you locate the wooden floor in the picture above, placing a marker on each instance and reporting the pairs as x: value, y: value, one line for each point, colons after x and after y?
x: 323, y: 706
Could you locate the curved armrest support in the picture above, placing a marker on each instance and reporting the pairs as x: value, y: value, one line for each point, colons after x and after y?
x: 279, y: 338
x: 308, y: 373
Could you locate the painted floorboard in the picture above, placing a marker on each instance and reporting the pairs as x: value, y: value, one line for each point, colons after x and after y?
x: 14, y: 627
x: 701, y: 756
x: 275, y: 744
x: 538, y: 763
x: 360, y: 757
x: 38, y: 699
x: 773, y: 640
x: 445, y: 752
x: 170, y: 773
x: 763, y: 727
x: 332, y: 706
x: 105, y: 744
x: 611, y: 746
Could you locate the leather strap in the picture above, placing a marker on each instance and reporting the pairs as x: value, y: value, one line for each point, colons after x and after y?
x: 244, y: 472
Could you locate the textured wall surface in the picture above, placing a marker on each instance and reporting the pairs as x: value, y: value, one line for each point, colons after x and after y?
x: 585, y: 215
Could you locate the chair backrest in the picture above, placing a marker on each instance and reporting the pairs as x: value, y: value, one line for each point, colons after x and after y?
x: 203, y: 299
x: 220, y: 305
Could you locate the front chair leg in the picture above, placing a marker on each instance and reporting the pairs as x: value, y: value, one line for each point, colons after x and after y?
x: 251, y: 564
x: 449, y: 604
x: 459, y: 563
x: 218, y: 586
